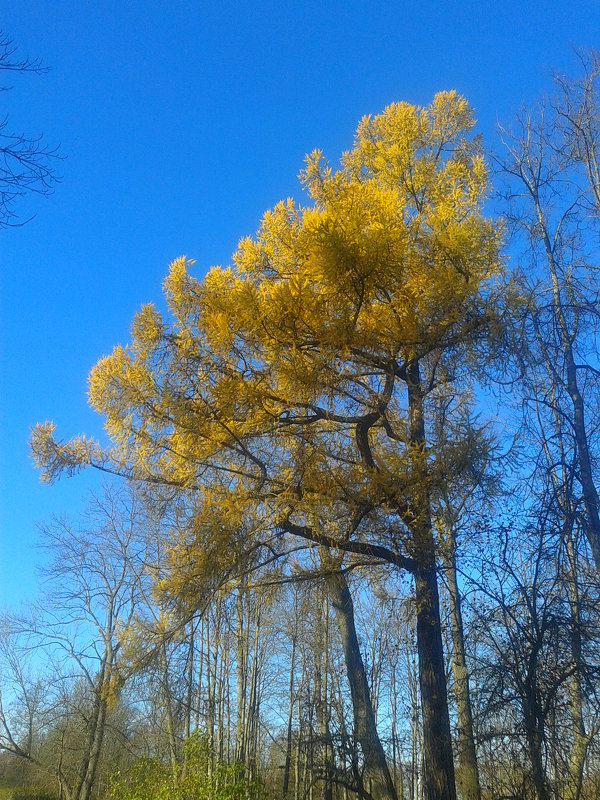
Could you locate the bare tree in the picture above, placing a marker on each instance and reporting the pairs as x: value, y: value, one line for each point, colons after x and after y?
x: 78, y: 629
x: 26, y: 162
x: 550, y: 193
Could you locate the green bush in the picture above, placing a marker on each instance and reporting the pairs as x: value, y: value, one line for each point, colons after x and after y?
x: 150, y: 779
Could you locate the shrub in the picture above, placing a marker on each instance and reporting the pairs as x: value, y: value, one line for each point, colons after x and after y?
x: 150, y: 779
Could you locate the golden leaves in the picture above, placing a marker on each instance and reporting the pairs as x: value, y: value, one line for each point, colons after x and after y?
x: 52, y: 457
x: 252, y: 389
x: 147, y: 330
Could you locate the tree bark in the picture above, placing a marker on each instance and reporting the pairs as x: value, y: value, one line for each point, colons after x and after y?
x: 535, y: 738
x: 288, y: 749
x: 438, y: 780
x: 376, y: 769
x: 166, y: 691
x: 580, y: 739
x: 321, y: 658
x: 415, y: 730
x: 468, y: 772
x: 189, y: 683
x: 241, y: 655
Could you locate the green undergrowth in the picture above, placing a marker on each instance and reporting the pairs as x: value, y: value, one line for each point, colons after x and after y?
x: 24, y: 793
x: 195, y: 779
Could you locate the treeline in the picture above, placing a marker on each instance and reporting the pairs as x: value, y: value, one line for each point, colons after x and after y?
x: 360, y: 550
x: 101, y: 688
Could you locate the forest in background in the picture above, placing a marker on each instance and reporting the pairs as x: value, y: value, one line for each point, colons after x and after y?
x: 359, y: 548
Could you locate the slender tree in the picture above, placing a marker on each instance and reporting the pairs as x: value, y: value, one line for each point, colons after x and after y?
x: 94, y: 587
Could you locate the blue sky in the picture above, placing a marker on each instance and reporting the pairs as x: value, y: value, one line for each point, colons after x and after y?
x: 181, y: 124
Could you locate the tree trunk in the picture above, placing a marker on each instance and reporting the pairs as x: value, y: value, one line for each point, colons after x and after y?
x: 534, y: 743
x: 253, y: 713
x: 166, y: 690
x: 376, y: 768
x: 580, y: 739
x: 241, y: 655
x: 415, y: 732
x: 298, y: 746
x: 321, y: 662
x: 439, y: 781
x: 468, y: 773
x: 96, y: 728
x: 189, y: 683
x: 396, y: 751
x: 288, y: 749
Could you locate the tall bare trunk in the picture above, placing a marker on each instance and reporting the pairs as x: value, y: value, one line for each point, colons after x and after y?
x: 580, y: 739
x: 376, y: 768
x: 437, y: 741
x: 535, y: 738
x: 166, y: 692
x: 253, y: 714
x: 396, y: 752
x: 241, y: 653
x: 95, y: 732
x: 298, y: 748
x: 288, y: 749
x: 468, y: 772
x: 189, y: 683
x: 415, y: 729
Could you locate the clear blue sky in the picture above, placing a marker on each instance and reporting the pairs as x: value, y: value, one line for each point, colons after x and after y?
x: 181, y: 122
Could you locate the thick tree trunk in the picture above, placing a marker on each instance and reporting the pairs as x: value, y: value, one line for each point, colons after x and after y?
x: 535, y: 740
x: 468, y: 773
x: 377, y: 774
x: 438, y: 780
x: 94, y: 755
x: 95, y: 734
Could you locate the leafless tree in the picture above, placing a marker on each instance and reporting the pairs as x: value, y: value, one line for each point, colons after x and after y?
x: 26, y: 162
x: 92, y: 589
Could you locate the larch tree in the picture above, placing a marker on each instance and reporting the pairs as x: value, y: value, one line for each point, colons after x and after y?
x: 293, y: 391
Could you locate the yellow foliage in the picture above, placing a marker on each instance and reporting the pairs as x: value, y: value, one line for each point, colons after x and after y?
x: 257, y: 387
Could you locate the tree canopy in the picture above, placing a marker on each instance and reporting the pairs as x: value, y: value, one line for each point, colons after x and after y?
x: 284, y: 374
x: 300, y: 389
